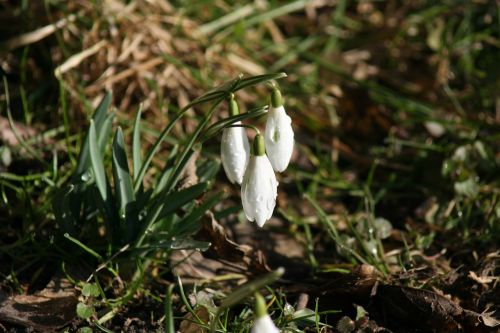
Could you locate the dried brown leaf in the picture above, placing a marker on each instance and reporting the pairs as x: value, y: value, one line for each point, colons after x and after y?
x: 46, y: 311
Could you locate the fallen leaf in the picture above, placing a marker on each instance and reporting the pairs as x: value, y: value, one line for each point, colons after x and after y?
x: 189, y: 324
x: 489, y: 320
x: 46, y: 311
x: 419, y: 308
x: 482, y: 279
x: 225, y: 248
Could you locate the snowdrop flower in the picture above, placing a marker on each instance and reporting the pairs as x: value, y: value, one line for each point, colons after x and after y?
x: 260, y: 187
x: 279, y: 133
x: 234, y: 148
x: 262, y: 323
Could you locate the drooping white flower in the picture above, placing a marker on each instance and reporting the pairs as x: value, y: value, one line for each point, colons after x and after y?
x: 260, y: 187
x: 235, y: 152
x: 263, y: 323
x: 279, y: 134
x: 234, y: 148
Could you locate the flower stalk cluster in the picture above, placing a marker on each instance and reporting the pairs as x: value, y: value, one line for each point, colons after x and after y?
x: 255, y: 169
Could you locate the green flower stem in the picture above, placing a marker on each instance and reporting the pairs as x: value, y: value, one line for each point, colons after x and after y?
x: 247, y: 126
x: 276, y: 99
x: 259, y: 149
x: 260, y: 306
x: 233, y: 106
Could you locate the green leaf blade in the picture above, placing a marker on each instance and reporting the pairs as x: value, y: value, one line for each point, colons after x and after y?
x: 98, y: 118
x: 97, y: 162
x: 123, y: 181
x: 136, y: 144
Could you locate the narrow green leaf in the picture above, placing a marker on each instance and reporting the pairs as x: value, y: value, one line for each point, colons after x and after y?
x: 208, y: 170
x: 124, y: 189
x: 178, y: 168
x: 96, y: 162
x: 166, y: 203
x: 83, y: 246
x: 169, y: 313
x: 98, y: 117
x: 103, y: 134
x: 188, y: 152
x: 175, y: 200
x: 184, y: 244
x: 332, y: 229
x: 235, y: 85
x: 136, y: 143
x: 250, y: 288
x: 167, y: 170
x: 189, y: 223
x: 102, y: 328
x: 258, y: 79
x: 153, y: 150
x: 215, y: 128
x: 106, y: 195
x: 13, y: 127
x: 102, y: 110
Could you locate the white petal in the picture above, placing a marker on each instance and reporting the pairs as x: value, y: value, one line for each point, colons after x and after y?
x: 279, y: 138
x: 235, y: 152
x: 259, y: 190
x: 264, y: 325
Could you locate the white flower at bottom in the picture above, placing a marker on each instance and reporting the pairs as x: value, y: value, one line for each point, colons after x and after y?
x: 264, y: 325
x: 279, y: 134
x: 235, y: 152
x: 260, y: 187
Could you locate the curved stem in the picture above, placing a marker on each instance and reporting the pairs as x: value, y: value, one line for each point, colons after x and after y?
x: 257, y: 131
x: 272, y: 84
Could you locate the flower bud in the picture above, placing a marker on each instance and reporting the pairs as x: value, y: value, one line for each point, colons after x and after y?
x: 235, y: 149
x: 260, y: 187
x: 279, y: 135
x: 263, y: 323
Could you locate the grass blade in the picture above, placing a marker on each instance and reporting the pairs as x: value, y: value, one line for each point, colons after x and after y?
x: 169, y: 314
x: 96, y: 162
x: 103, y: 185
x: 167, y: 170
x: 104, y: 132
x: 167, y: 203
x: 98, y: 117
x: 124, y: 188
x: 221, y: 124
x: 258, y: 79
x: 123, y: 181
x: 136, y: 144
x: 184, y: 244
x: 153, y: 150
x: 186, y: 225
x: 83, y: 246
x: 181, y: 197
